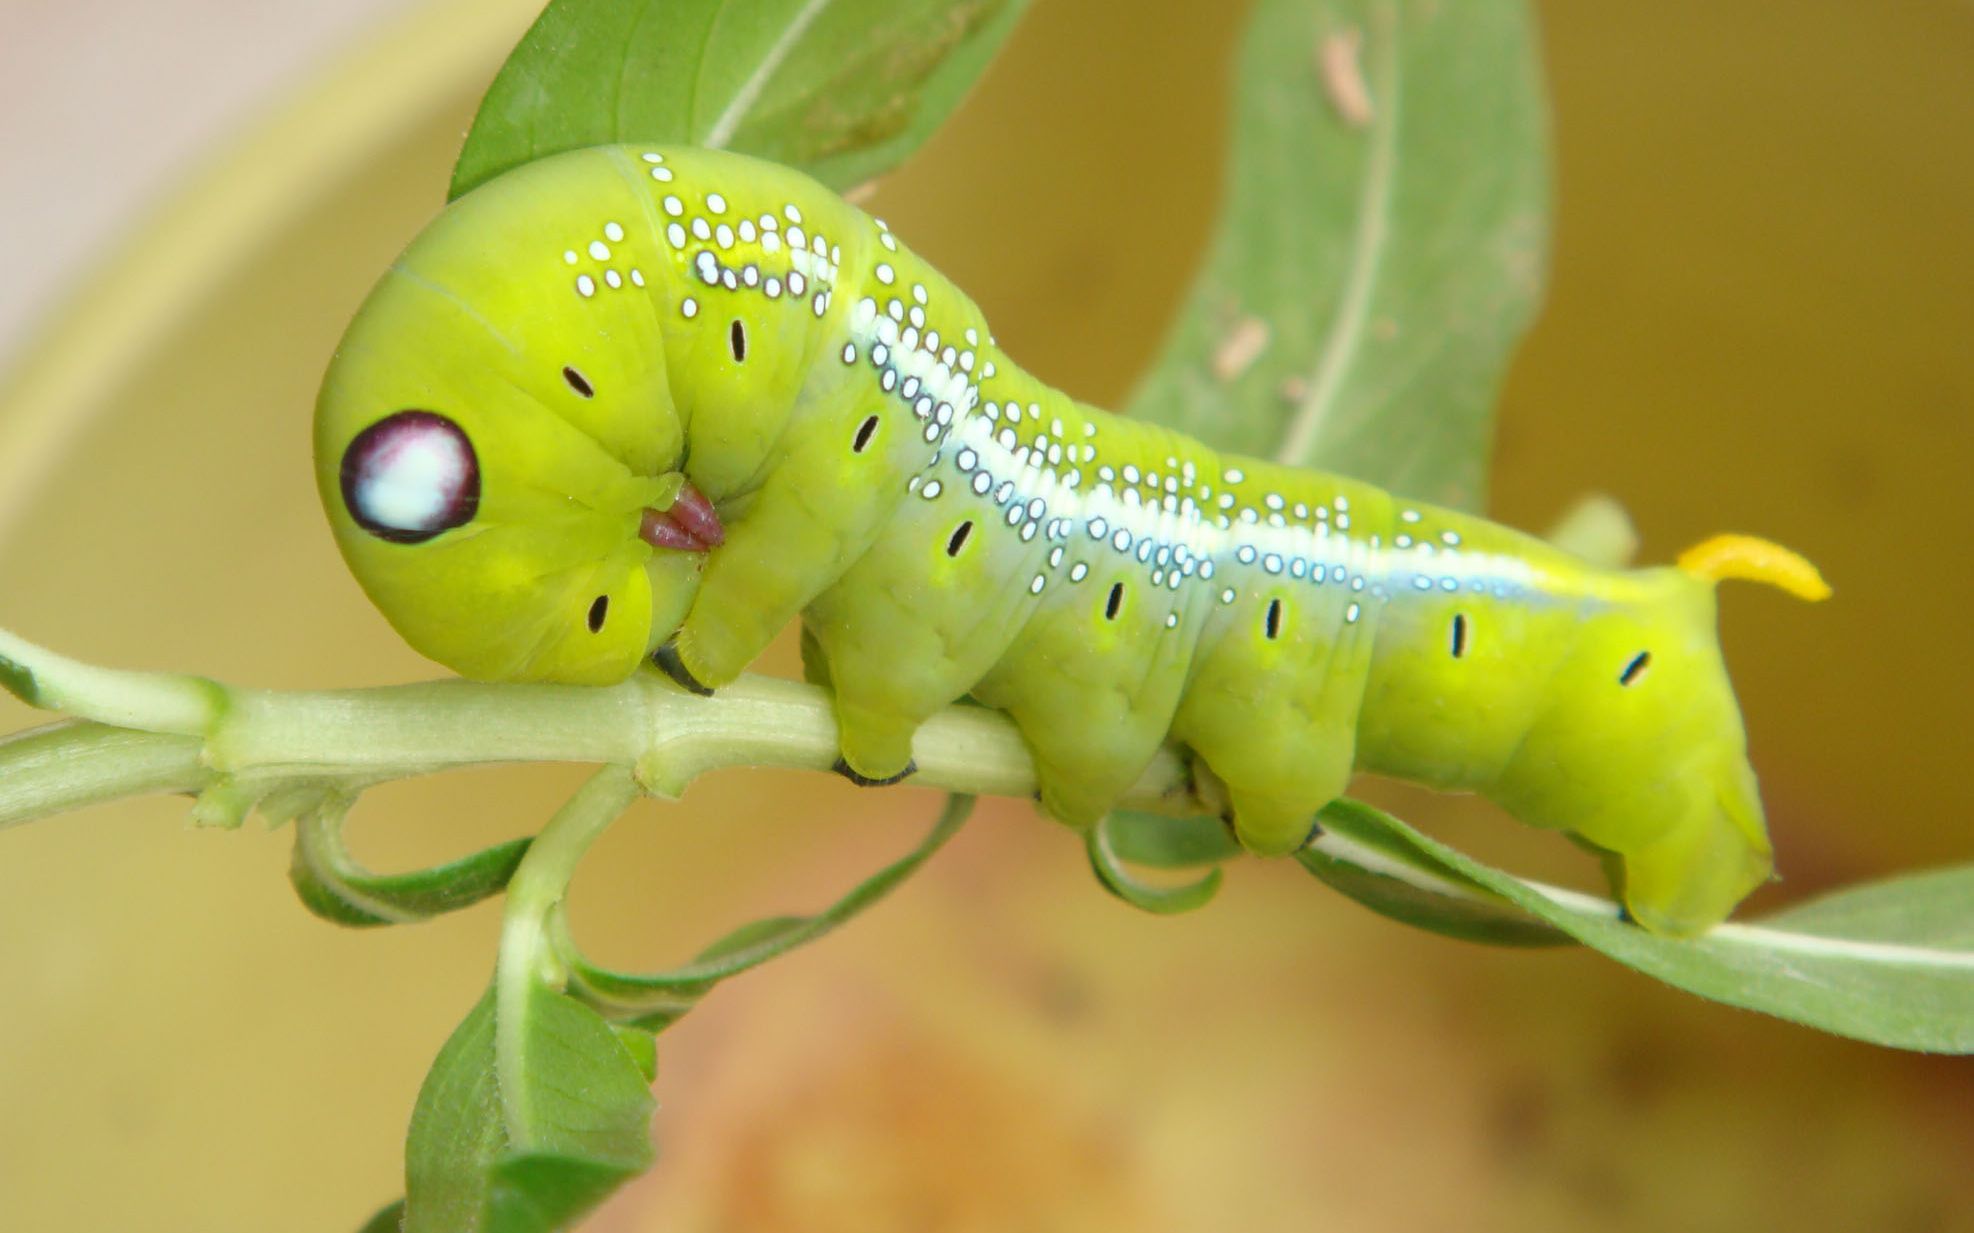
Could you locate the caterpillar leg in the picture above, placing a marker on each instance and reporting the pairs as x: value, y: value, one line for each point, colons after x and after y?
x: 774, y: 559
x: 1282, y: 753
x: 1089, y: 751
x: 814, y: 513
x: 1688, y: 881
x: 891, y: 672
x: 1094, y: 693
x: 868, y: 740
x: 843, y: 768
x: 915, y: 623
x: 667, y: 659
x: 1274, y: 825
x: 1679, y: 850
x: 1276, y: 784
x: 1081, y: 779
x: 876, y: 742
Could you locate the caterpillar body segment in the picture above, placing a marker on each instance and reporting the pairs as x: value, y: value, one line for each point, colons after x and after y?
x: 595, y: 344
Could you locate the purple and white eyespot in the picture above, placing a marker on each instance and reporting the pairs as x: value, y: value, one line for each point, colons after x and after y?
x: 411, y: 476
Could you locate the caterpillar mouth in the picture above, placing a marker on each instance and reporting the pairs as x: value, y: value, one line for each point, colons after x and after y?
x: 691, y: 524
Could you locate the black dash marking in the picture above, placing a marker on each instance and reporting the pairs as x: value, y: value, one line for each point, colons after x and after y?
x: 667, y: 659
x: 578, y: 383
x: 958, y: 541
x: 1459, y: 635
x: 865, y: 431
x: 1636, y: 668
x: 737, y: 339
x: 1115, y: 602
x: 843, y: 768
x: 1274, y: 622
x: 597, y: 611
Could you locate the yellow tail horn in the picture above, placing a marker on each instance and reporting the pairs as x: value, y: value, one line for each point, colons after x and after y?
x: 1756, y: 560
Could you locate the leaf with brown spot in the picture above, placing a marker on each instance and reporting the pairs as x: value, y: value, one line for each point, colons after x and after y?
x: 1394, y: 249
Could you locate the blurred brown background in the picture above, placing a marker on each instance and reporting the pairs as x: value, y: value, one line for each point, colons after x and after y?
x: 1762, y: 302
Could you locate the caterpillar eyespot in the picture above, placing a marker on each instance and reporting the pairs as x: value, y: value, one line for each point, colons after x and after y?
x: 409, y: 477
x: 957, y: 561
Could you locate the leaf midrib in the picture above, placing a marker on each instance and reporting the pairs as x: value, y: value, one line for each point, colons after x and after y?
x: 1368, y: 246
x: 743, y: 100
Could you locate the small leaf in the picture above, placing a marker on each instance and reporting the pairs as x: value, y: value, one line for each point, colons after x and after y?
x: 1382, y: 245
x: 842, y: 90
x: 1162, y: 841
x: 335, y: 887
x: 1891, y: 963
x: 656, y: 1000
x: 152, y: 701
x: 582, y: 1130
x: 1119, y: 881
x: 1357, y: 855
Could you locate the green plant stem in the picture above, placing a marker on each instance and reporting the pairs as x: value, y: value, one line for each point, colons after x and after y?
x: 262, y: 741
x: 69, y: 765
x: 258, y: 741
x: 1902, y: 981
x: 537, y: 888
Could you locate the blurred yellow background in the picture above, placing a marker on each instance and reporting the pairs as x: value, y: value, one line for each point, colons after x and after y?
x: 1760, y: 319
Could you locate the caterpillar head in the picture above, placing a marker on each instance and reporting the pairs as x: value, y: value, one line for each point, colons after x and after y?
x: 1641, y: 752
x: 498, y: 453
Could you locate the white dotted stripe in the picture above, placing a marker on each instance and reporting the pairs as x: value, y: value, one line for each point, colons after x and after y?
x: 1165, y: 520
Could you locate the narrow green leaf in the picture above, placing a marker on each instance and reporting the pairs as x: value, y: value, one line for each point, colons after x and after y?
x: 1119, y: 881
x: 1361, y: 857
x: 324, y: 901
x: 769, y: 931
x: 1162, y: 841
x: 152, y: 701
x: 587, y: 1106
x: 1891, y: 963
x: 334, y: 886
x: 656, y: 1000
x: 1382, y: 245
x: 1934, y: 909
x: 844, y: 89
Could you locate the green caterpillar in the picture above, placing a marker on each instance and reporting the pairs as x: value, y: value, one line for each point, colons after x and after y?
x: 637, y: 403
